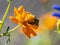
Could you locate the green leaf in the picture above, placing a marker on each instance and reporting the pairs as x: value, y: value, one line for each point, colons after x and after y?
x: 7, y: 28
x: 8, y: 40
x: 7, y: 33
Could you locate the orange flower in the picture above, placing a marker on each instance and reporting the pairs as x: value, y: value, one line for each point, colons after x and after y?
x: 24, y: 19
x: 49, y: 21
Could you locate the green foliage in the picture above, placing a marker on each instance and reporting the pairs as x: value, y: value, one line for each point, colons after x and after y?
x: 7, y: 33
x: 8, y: 40
x: 9, y: 0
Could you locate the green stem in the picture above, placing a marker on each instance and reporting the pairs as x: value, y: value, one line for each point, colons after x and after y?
x: 5, y: 15
x: 58, y: 26
x: 14, y: 28
x: 11, y: 30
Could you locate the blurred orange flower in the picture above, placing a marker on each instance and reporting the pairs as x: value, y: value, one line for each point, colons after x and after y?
x: 49, y: 21
x: 44, y: 1
x: 22, y: 18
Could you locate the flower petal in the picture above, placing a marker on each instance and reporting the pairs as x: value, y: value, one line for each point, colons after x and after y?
x: 21, y: 9
x: 15, y: 11
x: 13, y: 19
x: 29, y: 31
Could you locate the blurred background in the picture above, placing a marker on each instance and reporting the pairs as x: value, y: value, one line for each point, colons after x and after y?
x: 36, y: 7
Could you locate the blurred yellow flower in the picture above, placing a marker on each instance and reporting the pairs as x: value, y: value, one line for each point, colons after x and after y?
x: 23, y: 18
